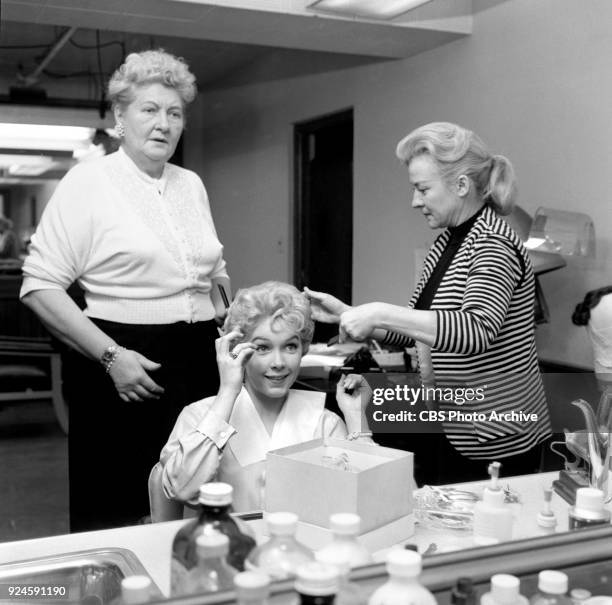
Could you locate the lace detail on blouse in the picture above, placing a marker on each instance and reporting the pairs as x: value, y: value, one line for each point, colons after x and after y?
x: 168, y: 208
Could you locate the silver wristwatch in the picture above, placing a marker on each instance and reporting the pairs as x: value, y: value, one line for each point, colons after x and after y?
x: 109, y: 356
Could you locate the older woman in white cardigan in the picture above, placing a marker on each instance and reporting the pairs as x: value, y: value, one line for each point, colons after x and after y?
x: 136, y: 233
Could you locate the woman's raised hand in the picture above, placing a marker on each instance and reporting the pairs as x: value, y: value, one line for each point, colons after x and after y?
x: 353, y: 394
x: 325, y: 307
x: 358, y: 323
x: 129, y: 372
x: 231, y: 361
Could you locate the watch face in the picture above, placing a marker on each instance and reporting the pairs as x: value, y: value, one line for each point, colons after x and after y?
x: 108, y: 354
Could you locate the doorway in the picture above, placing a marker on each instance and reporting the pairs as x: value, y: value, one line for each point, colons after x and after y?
x: 323, y: 255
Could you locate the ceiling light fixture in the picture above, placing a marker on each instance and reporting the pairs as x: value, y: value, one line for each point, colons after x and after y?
x: 371, y: 9
x: 37, y: 136
x: 25, y: 165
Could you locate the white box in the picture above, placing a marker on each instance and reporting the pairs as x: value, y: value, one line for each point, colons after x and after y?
x: 379, y: 490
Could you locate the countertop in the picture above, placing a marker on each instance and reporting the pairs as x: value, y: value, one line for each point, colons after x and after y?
x: 152, y: 543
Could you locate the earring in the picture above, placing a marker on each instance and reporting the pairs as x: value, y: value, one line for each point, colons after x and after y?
x: 463, y: 182
x: 120, y: 130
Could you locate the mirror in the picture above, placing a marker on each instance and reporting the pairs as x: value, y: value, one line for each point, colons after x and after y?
x: 519, y: 79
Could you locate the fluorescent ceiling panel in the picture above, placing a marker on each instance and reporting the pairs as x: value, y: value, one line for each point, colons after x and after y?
x: 371, y: 9
x: 37, y: 136
x: 29, y: 165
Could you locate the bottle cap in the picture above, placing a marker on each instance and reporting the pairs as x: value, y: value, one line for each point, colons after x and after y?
x: 463, y: 589
x: 281, y: 523
x: 212, y: 545
x: 345, y: 524
x: 554, y: 582
x: 136, y: 589
x: 316, y: 579
x: 579, y: 594
x: 216, y: 494
x: 341, y: 559
x: 505, y: 588
x: 589, y: 499
x: 404, y: 563
x: 465, y: 585
x: 547, y: 519
x: 493, y: 497
x: 252, y: 585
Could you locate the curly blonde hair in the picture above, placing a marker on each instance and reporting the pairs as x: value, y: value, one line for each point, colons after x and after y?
x: 283, y: 303
x: 456, y: 151
x: 147, y: 67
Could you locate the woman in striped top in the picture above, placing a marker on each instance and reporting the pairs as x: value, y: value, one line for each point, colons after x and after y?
x: 472, y: 313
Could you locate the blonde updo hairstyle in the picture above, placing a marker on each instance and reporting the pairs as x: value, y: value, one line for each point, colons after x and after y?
x: 283, y: 303
x: 458, y: 151
x: 148, y: 67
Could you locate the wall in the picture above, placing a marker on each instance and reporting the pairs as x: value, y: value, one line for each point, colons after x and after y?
x: 533, y: 80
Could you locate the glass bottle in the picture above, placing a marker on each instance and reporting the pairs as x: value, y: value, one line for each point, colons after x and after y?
x: 589, y: 509
x: 493, y: 518
x: 281, y: 555
x: 316, y: 584
x: 215, y: 501
x: 349, y: 593
x: 552, y: 589
x: 403, y: 586
x: 252, y: 588
x: 345, y: 527
x: 212, y: 573
x: 463, y: 592
x: 547, y: 522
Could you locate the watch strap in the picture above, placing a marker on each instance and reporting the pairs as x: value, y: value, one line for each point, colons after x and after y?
x: 109, y: 356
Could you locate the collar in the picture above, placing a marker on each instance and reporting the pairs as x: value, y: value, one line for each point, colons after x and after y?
x: 296, y: 423
x: 461, y: 230
x: 159, y: 184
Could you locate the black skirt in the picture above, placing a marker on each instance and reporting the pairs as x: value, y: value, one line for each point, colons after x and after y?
x: 113, y: 444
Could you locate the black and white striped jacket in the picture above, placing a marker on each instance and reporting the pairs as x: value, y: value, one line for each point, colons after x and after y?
x: 485, y: 337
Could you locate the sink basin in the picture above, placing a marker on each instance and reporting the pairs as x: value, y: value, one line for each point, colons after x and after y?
x: 86, y: 577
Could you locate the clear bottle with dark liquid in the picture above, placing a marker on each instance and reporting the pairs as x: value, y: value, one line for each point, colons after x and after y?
x: 212, y: 573
x: 215, y: 506
x: 316, y: 584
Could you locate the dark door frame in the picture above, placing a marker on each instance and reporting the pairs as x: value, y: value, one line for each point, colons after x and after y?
x: 300, y: 132
x: 7, y: 206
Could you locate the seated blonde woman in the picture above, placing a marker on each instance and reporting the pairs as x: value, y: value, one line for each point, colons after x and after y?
x: 226, y: 437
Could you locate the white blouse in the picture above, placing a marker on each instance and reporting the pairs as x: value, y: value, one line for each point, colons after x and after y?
x: 144, y: 250
x: 203, y: 447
